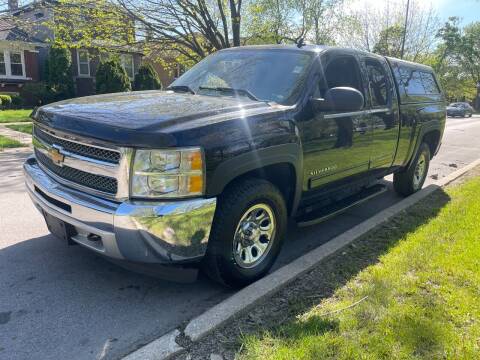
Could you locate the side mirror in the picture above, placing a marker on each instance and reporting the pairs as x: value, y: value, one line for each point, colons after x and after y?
x: 340, y: 99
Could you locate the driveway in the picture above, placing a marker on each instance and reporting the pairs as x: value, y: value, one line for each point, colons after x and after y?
x: 60, y: 302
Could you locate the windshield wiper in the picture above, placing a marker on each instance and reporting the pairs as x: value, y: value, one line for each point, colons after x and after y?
x: 231, y: 90
x: 182, y: 88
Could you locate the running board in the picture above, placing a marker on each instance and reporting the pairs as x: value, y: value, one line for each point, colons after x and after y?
x: 325, y: 213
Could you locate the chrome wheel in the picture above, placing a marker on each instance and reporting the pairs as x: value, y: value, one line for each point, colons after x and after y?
x: 254, y: 235
x: 420, y: 169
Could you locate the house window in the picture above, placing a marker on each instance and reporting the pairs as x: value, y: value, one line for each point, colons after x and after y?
x: 12, y: 64
x: 83, y: 63
x: 16, y: 64
x: 127, y: 63
x: 3, y: 67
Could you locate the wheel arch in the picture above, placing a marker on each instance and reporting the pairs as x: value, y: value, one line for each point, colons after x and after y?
x: 280, y: 164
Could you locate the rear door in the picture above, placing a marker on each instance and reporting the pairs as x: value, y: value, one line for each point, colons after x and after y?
x: 382, y: 113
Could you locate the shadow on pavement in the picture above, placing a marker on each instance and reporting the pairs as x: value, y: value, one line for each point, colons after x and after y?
x: 322, y: 282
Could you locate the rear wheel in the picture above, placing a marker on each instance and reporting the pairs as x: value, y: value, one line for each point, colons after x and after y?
x: 247, y: 233
x: 412, y: 179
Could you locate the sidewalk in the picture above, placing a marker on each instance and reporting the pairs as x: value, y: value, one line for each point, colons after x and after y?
x: 16, y: 135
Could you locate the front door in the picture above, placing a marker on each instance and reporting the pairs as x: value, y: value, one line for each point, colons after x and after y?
x: 336, y: 144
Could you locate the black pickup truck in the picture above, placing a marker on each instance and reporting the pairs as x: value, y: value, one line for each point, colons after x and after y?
x: 206, y: 173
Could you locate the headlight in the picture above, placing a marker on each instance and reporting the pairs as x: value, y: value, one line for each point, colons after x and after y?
x: 167, y: 173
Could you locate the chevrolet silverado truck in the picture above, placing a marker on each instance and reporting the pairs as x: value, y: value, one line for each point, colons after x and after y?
x: 206, y: 174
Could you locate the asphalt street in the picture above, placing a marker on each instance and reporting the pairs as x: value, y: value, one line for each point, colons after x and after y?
x: 60, y: 302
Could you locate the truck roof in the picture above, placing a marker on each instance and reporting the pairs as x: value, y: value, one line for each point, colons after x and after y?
x: 322, y: 48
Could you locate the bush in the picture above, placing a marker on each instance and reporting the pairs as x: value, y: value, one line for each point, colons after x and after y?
x: 36, y: 94
x: 147, y: 78
x: 5, y: 101
x: 58, y: 73
x: 111, y: 77
x: 17, y: 102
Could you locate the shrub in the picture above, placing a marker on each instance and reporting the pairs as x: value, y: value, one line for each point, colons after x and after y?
x: 147, y: 78
x: 111, y: 77
x: 5, y: 101
x: 58, y: 73
x: 17, y: 102
x: 36, y: 94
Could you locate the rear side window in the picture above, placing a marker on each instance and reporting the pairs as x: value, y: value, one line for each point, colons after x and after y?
x: 378, y: 83
x: 414, y: 85
x: 429, y: 83
x: 417, y: 85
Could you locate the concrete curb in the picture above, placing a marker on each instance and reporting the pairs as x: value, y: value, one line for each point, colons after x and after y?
x: 161, y: 348
x: 219, y: 314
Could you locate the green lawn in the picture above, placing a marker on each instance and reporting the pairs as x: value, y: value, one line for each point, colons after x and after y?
x: 6, y: 142
x: 7, y: 116
x: 25, y: 128
x: 421, y: 300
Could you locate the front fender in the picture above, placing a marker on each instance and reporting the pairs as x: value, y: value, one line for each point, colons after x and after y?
x: 237, y: 166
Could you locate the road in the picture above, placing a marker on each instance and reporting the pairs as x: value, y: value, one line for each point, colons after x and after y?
x: 60, y: 302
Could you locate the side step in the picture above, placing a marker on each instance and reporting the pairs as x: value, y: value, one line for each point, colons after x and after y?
x: 325, y: 213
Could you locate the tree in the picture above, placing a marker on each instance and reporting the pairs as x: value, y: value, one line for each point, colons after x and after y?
x: 461, y: 50
x: 147, y: 78
x: 58, y: 72
x: 94, y: 24
x: 280, y: 21
x: 190, y: 28
x: 390, y: 41
x: 366, y: 27
x: 111, y: 77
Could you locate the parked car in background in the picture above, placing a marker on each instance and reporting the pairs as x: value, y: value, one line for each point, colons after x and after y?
x: 208, y: 172
x: 461, y: 109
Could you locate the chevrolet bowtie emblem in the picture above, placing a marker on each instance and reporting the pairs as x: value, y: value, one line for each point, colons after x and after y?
x: 56, y: 156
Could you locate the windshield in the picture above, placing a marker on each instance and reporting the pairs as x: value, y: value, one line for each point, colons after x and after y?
x: 455, y: 105
x: 267, y: 75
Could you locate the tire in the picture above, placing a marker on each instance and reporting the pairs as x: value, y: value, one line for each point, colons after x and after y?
x: 411, y: 180
x: 229, y: 260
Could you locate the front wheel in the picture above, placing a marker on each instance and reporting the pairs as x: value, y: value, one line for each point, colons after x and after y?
x: 247, y: 233
x: 411, y: 180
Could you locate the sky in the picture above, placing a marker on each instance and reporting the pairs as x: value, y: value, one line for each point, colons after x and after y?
x: 467, y: 10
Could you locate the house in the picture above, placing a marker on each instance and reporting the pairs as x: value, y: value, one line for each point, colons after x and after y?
x: 20, y: 55
x: 24, y: 44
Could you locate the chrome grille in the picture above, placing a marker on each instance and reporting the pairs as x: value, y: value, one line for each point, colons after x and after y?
x: 96, y: 153
x: 88, y: 165
x: 97, y: 182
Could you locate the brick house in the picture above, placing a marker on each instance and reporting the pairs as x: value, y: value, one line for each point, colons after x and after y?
x: 23, y: 52
x: 19, y: 58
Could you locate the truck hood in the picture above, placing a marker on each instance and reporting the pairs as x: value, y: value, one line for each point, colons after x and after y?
x: 141, y: 118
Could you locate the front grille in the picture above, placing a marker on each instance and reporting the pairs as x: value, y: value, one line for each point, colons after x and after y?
x: 93, y: 152
x: 97, y: 182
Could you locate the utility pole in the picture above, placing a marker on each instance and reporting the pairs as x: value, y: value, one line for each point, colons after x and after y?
x: 405, y: 29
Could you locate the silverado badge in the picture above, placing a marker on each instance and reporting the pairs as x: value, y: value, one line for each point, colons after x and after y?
x: 56, y: 156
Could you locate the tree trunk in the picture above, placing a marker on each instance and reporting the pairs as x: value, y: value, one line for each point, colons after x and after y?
x: 235, y: 15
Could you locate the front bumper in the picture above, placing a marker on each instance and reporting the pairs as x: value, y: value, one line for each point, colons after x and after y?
x: 138, y: 231
x: 455, y: 113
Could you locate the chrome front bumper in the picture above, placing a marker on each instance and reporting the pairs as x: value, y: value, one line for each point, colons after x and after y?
x: 137, y: 231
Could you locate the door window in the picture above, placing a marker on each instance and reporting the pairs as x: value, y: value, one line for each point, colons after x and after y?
x: 341, y: 71
x: 378, y: 82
